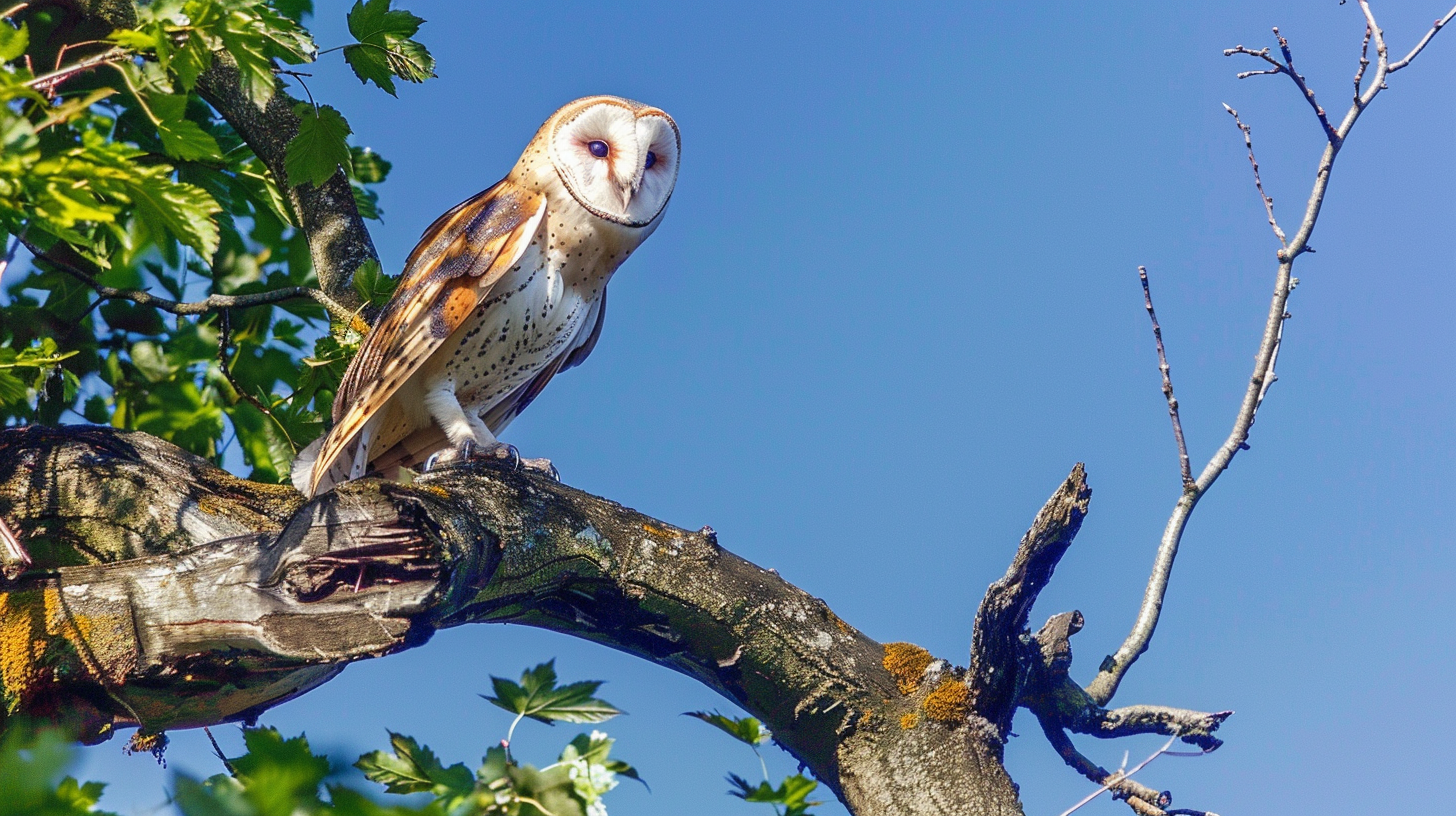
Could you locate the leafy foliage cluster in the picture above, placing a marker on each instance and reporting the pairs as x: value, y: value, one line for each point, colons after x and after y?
x: 116, y: 174
x: 280, y: 776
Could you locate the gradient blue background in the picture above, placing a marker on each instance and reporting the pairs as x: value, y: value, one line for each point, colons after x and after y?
x: 894, y: 300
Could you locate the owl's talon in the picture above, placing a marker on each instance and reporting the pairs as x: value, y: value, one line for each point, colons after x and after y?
x: 467, y: 449
x: 515, y: 457
x: 430, y: 463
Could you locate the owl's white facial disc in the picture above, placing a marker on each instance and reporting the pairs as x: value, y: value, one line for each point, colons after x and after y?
x: 618, y: 161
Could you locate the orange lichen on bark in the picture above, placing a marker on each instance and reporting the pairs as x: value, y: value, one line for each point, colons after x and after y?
x: 906, y: 662
x: 949, y: 702
x: 910, y: 720
x: 20, y: 646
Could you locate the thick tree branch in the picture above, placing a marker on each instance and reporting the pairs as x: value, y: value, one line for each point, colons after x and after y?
x: 168, y: 594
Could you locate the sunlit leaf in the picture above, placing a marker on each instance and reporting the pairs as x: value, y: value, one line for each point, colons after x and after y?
x: 537, y: 696
x: 385, y: 49
x: 320, y: 148
x: 413, y: 768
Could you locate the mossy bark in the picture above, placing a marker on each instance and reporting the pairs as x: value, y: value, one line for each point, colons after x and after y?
x: 169, y: 594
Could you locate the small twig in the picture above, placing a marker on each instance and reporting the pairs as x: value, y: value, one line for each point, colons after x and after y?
x: 1120, y: 781
x: 1262, y: 53
x: 13, y: 10
x: 217, y: 751
x: 304, y: 85
x: 224, y: 339
x: 1258, y: 182
x: 1420, y: 46
x: 47, y: 82
x: 1304, y: 87
x: 1184, y: 466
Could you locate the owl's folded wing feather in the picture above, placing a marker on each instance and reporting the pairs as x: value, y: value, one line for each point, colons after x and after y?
x: 461, y: 256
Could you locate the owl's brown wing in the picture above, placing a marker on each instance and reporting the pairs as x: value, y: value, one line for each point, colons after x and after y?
x: 459, y: 259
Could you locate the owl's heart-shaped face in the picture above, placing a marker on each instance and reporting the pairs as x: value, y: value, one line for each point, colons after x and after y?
x: 616, y: 157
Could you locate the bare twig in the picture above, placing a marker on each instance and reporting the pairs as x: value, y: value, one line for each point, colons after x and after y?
x: 224, y: 339
x: 48, y: 82
x: 1258, y: 182
x: 1276, y: 67
x: 13, y: 10
x: 1304, y: 87
x: 1141, y: 798
x: 217, y: 751
x: 1120, y: 781
x: 74, y: 267
x: 1115, y: 666
x: 1184, y: 466
x: 1420, y: 46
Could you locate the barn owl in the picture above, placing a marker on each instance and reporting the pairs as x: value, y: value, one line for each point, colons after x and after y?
x: 502, y: 293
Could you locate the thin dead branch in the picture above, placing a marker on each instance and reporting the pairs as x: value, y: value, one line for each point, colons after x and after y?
x: 73, y: 264
x: 1116, y: 665
x: 1258, y: 182
x: 48, y: 82
x: 1184, y: 467
x: 1303, y: 86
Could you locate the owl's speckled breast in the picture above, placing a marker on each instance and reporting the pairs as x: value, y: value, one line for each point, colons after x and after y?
x: 535, y: 314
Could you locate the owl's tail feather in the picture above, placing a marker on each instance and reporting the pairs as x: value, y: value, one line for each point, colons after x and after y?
x: 303, y: 467
x: 412, y: 451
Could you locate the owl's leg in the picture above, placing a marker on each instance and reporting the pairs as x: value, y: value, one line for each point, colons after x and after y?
x: 459, y: 425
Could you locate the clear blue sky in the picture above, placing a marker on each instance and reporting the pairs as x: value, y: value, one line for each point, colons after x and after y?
x: 893, y: 301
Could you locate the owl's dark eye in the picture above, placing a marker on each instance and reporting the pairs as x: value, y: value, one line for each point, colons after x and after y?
x: 651, y: 160
x: 598, y: 148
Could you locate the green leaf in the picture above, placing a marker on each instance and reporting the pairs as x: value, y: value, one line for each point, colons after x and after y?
x: 280, y: 776
x: 32, y: 766
x: 594, y: 748
x: 372, y: 285
x: 743, y: 729
x: 13, y: 41
x: 537, y: 697
x: 182, y: 210
x: 369, y: 167
x: 254, y: 35
x: 131, y: 39
x: 414, y: 768
x: 792, y: 793
x: 319, y: 149
x: 385, y: 50
x: 294, y: 10
x: 189, y: 60
x: 182, y: 138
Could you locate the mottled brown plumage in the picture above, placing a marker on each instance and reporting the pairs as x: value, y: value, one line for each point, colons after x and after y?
x: 502, y: 293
